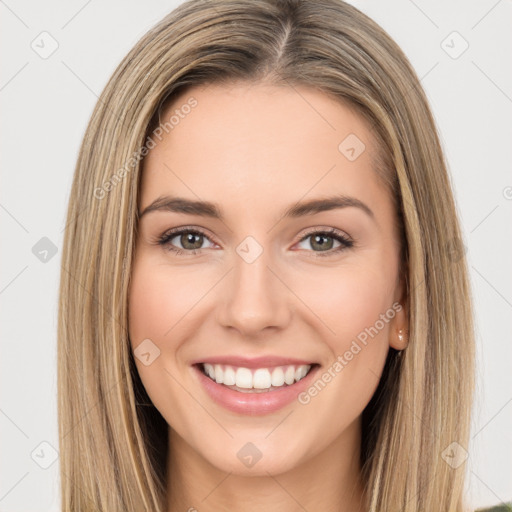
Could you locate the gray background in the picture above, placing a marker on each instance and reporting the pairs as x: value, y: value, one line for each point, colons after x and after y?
x: 46, y: 103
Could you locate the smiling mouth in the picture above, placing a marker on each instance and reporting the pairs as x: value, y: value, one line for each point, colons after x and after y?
x: 257, y: 380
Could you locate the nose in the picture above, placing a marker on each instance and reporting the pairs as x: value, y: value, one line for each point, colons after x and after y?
x: 254, y: 298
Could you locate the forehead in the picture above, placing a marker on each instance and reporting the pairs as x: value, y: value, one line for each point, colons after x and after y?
x: 243, y: 143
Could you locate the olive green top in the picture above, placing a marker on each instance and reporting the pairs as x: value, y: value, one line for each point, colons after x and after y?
x: 503, y: 507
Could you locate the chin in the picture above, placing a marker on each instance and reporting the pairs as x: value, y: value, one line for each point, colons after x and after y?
x: 259, y: 455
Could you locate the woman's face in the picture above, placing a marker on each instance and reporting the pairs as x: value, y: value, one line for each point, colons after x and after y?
x: 264, y: 283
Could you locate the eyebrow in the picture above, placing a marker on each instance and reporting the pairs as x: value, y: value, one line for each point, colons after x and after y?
x: 213, y: 210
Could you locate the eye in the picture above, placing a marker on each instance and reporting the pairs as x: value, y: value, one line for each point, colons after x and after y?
x: 191, y: 240
x: 323, y: 240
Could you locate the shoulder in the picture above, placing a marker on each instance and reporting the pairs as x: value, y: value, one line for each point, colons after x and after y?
x: 503, y: 507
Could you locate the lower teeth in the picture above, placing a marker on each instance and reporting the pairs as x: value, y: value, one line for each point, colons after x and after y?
x: 254, y: 390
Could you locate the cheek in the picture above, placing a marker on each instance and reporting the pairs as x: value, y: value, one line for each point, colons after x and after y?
x: 158, y: 300
x: 348, y: 300
x: 354, y: 309
x: 357, y: 308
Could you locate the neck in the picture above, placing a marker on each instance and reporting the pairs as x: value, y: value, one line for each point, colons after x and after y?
x: 330, y: 480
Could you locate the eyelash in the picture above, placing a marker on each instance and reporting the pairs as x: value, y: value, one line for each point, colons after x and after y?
x: 165, y: 239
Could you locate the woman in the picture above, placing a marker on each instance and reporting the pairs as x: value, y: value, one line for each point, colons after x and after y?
x: 264, y: 303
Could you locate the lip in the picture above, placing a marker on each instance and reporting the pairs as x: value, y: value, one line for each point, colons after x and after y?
x: 253, y: 362
x: 253, y: 404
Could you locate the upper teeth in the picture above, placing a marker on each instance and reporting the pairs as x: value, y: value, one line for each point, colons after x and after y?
x: 260, y: 378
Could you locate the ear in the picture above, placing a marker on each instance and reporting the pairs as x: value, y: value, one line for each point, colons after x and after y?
x: 399, y: 328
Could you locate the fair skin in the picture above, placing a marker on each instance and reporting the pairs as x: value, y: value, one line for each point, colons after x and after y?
x: 256, y: 150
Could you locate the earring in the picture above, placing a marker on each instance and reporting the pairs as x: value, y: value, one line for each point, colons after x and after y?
x: 401, y: 335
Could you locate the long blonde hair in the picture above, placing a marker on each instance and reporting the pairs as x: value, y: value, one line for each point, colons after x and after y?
x: 113, y: 441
